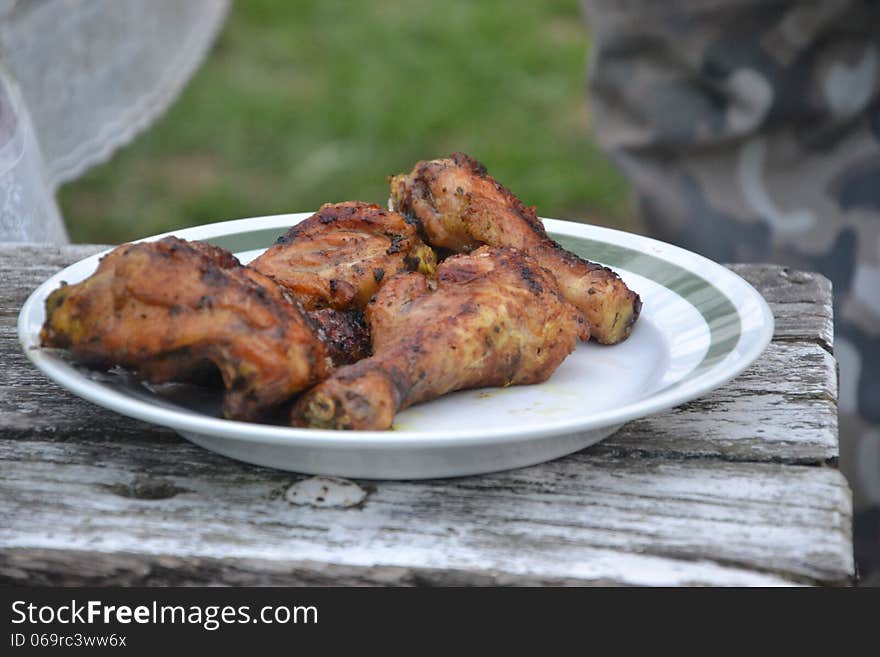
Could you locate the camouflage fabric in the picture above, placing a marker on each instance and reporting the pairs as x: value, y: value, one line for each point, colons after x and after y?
x: 750, y: 131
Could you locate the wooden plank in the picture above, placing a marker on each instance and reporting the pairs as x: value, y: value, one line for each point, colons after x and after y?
x: 586, y: 519
x: 800, y: 300
x: 40, y: 567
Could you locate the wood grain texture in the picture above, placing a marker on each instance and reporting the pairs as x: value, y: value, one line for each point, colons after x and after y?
x: 738, y: 487
x: 801, y: 302
x: 586, y: 517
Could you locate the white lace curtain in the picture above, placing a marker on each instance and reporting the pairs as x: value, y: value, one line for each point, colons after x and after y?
x: 79, y: 79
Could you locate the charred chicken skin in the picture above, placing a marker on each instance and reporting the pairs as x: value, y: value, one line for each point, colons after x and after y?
x: 494, y: 317
x: 338, y: 257
x: 344, y: 333
x: 457, y: 205
x: 171, y: 309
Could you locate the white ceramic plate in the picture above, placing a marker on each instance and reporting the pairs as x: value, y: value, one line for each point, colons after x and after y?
x: 701, y: 325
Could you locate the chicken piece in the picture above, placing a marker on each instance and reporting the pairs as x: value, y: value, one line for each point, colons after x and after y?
x: 492, y: 318
x: 344, y: 332
x: 457, y: 205
x: 171, y: 309
x: 338, y: 257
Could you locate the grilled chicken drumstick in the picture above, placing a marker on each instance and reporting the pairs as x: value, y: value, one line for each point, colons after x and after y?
x: 338, y: 257
x: 458, y: 206
x: 492, y: 318
x: 170, y: 308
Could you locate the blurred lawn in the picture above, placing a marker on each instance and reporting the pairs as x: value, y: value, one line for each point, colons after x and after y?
x: 306, y: 102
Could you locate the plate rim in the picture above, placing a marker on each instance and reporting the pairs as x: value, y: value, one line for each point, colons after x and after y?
x: 756, y: 338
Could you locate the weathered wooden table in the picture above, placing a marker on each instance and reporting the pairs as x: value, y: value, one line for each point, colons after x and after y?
x: 740, y: 487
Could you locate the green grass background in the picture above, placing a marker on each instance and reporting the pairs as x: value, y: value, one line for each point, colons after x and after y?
x: 305, y: 102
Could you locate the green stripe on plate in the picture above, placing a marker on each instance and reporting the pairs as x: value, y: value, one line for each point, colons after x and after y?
x: 717, y: 310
